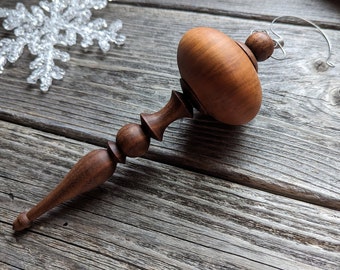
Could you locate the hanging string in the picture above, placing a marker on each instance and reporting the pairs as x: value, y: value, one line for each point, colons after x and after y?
x: 279, y: 41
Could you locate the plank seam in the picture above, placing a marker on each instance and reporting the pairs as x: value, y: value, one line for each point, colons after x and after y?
x: 226, y: 13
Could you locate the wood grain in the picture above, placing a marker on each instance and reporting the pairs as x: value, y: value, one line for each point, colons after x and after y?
x: 323, y: 12
x: 228, y: 91
x: 152, y: 216
x: 291, y: 148
x: 209, y: 196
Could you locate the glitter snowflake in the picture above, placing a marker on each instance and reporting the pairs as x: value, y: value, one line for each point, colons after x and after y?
x: 51, y: 24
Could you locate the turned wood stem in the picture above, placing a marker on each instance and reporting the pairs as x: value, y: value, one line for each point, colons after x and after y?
x: 90, y: 171
x: 96, y: 167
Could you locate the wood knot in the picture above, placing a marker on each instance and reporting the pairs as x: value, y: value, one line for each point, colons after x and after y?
x: 320, y: 65
x: 334, y: 96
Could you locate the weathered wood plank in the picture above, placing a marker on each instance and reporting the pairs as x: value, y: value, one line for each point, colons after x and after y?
x: 292, y: 147
x: 325, y: 13
x: 39, y: 251
x: 169, y: 218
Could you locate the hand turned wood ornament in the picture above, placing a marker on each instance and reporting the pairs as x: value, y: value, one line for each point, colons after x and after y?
x: 218, y: 77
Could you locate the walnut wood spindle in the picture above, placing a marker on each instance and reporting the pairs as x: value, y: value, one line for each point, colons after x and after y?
x: 218, y: 76
x: 92, y: 170
x: 96, y: 167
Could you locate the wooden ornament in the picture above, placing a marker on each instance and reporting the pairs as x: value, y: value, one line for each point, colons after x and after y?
x: 222, y: 79
x: 261, y: 44
x: 219, y: 78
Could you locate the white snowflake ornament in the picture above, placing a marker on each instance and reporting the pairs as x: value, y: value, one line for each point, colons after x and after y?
x: 51, y: 24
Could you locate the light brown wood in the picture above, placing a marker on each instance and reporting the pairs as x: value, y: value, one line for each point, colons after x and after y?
x: 220, y: 74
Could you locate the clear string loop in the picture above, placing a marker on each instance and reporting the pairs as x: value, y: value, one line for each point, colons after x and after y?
x: 279, y: 41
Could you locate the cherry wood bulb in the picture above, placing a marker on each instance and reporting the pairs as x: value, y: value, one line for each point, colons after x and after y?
x: 219, y: 77
x: 222, y: 78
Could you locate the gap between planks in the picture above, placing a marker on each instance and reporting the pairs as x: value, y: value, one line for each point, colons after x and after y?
x: 166, y: 213
x: 220, y: 10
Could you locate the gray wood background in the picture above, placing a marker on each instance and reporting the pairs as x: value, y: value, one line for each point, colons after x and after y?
x: 265, y: 195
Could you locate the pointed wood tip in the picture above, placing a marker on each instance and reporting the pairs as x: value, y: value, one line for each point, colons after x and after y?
x: 22, y: 222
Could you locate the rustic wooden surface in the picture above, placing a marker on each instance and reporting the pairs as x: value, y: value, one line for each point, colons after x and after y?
x: 264, y: 195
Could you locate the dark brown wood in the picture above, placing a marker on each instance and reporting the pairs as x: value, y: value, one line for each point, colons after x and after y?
x: 153, y: 216
x: 261, y: 45
x: 96, y: 167
x: 92, y: 170
x: 132, y: 140
x: 115, y: 153
x: 156, y: 123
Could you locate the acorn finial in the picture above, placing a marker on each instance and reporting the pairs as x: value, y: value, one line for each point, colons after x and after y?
x: 261, y: 45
